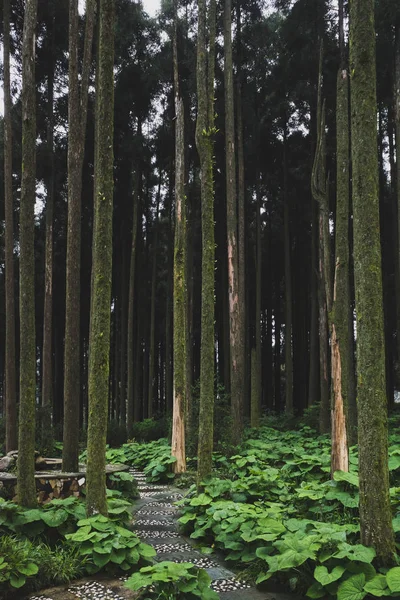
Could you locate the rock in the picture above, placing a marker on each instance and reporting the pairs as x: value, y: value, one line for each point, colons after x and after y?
x: 6, y: 463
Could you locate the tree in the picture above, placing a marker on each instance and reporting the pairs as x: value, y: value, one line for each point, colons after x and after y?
x: 235, y: 302
x: 10, y: 366
x: 99, y: 348
x: 77, y: 117
x: 26, y: 441
x: 180, y: 283
x: 47, y: 361
x: 205, y: 130
x: 375, y: 512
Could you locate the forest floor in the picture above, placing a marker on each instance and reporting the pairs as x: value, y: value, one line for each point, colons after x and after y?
x: 155, y: 521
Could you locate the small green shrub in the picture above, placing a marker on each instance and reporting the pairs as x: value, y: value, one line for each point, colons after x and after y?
x: 124, y: 483
x: 150, y: 430
x: 16, y: 562
x: 108, y: 546
x: 172, y: 581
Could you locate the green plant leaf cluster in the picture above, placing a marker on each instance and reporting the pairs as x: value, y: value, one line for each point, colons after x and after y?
x: 180, y: 581
x: 108, y: 545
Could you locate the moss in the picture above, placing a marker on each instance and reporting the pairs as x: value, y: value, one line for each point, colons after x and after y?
x: 99, y: 341
x: 375, y: 513
x: 26, y: 442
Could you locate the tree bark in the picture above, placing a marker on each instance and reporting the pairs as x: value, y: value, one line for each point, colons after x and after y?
x: 152, y: 357
x: 256, y: 388
x: 77, y: 117
x: 397, y: 127
x: 235, y: 302
x: 47, y: 355
x: 375, y: 511
x: 288, y: 289
x: 204, y: 141
x: 26, y: 442
x: 130, y: 415
x: 99, y: 350
x: 10, y: 359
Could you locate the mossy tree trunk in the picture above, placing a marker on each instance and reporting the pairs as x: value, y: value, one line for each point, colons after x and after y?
x: 375, y: 511
x: 26, y: 442
x: 204, y: 142
x: 77, y: 117
x: 10, y: 361
x: 235, y: 302
x: 47, y: 360
x: 342, y: 318
x: 99, y: 349
x: 180, y: 285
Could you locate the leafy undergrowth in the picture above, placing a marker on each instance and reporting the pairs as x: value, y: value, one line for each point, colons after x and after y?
x: 275, y: 513
x: 56, y: 543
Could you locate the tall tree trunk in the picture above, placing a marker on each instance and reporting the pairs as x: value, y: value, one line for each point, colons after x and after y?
x: 256, y: 389
x: 313, y: 381
x: 26, y: 441
x: 47, y: 356
x: 130, y: 415
x: 99, y: 348
x: 168, y: 308
x: 288, y: 289
x: 235, y: 302
x: 10, y: 361
x: 123, y: 337
x: 375, y: 511
x: 152, y: 353
x: 77, y: 116
x: 397, y: 120
x: 180, y: 284
x: 204, y: 141
x: 241, y: 248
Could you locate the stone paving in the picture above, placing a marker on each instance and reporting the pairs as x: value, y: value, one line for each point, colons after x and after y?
x: 155, y: 517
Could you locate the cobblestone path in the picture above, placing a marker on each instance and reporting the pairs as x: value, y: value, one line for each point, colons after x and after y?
x: 155, y: 520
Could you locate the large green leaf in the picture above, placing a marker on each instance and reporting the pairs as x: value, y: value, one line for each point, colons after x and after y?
x: 356, y: 552
x: 393, y: 579
x: 352, y: 588
x: 350, y: 477
x: 377, y: 586
x: 322, y: 575
x: 54, y: 518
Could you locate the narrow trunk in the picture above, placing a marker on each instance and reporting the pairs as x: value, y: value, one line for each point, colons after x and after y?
x: 313, y: 382
x: 10, y: 361
x: 397, y: 120
x: 205, y: 130
x: 123, y: 338
x: 375, y: 511
x: 77, y: 116
x: 256, y: 389
x: 99, y: 344
x: 288, y: 290
x: 180, y: 286
x: 235, y: 302
x: 47, y: 360
x: 324, y: 413
x: 130, y: 416
x: 168, y: 308
x: 26, y: 441
x: 152, y: 356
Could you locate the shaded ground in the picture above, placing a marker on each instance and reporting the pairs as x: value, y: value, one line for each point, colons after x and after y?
x: 155, y: 519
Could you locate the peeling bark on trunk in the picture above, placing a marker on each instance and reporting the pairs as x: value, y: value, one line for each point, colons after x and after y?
x: 10, y: 360
x: 26, y: 491
x: 235, y: 301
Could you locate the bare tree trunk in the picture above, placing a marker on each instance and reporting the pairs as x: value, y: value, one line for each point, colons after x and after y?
x: 130, y: 415
x: 77, y: 116
x: 99, y: 344
x: 26, y: 440
x: 47, y: 356
x: 153, y: 302
x: 397, y: 119
x: 10, y: 360
x: 288, y: 290
x: 235, y: 302
x: 256, y: 389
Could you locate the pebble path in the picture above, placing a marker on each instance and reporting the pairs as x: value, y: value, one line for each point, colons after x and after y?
x: 155, y: 521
